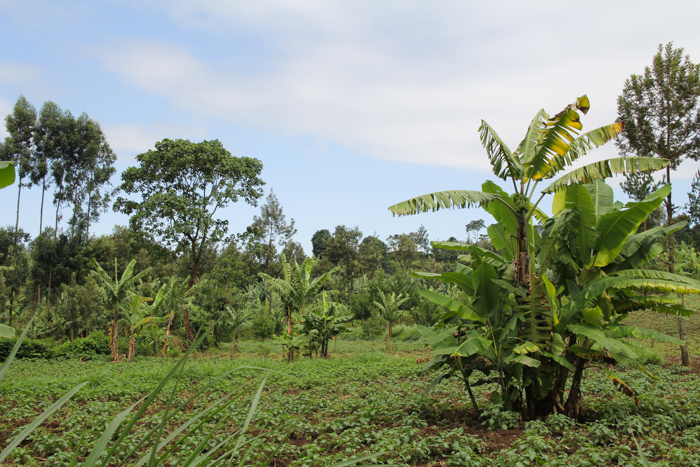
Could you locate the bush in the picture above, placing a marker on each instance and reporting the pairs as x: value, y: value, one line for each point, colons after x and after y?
x: 30, y: 348
x: 144, y: 345
x: 86, y: 347
x: 263, y: 325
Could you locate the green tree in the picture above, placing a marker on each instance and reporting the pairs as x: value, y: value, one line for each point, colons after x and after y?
x: 19, y: 145
x: 404, y: 249
x: 342, y: 249
x: 318, y: 242
x: 276, y: 232
x: 661, y: 118
x: 182, y: 186
x: 371, y: 255
x: 236, y: 320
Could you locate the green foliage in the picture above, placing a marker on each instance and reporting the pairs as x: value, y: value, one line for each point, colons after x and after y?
x: 532, y: 318
x: 263, y: 324
x: 182, y: 185
x: 30, y: 348
x: 85, y: 347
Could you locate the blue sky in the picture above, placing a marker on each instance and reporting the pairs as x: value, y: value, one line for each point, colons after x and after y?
x: 351, y: 106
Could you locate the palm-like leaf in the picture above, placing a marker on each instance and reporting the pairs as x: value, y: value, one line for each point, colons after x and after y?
x: 605, y: 169
x: 504, y: 164
x: 442, y: 200
x: 554, y: 141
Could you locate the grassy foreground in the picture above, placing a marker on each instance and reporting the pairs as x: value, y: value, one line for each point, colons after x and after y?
x: 359, y: 401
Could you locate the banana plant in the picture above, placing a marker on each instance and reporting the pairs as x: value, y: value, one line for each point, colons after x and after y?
x: 324, y: 322
x: 390, y: 310
x: 236, y: 320
x: 115, y: 293
x: 550, y: 145
x: 297, y: 289
x: 503, y: 321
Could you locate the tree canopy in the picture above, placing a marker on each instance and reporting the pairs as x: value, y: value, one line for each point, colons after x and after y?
x: 182, y: 185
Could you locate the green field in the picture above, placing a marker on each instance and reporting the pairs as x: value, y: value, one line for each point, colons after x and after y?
x: 358, y: 402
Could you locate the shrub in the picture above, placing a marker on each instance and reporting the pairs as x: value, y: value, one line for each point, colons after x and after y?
x: 86, y: 347
x: 263, y: 325
x: 30, y: 348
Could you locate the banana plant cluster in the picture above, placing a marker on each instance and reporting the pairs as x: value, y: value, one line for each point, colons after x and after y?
x: 322, y: 323
x: 532, y: 317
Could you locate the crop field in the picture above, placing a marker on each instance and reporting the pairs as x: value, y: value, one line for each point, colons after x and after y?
x: 356, y: 403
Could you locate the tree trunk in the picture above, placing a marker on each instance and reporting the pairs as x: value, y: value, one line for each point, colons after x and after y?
x: 43, y: 193
x: 573, y: 402
x: 19, y: 195
x: 685, y: 358
x: 12, y: 301
x: 167, y: 334
x: 186, y: 311
x: 132, y: 347
x: 388, y: 335
x: 288, y: 318
x: 113, y: 331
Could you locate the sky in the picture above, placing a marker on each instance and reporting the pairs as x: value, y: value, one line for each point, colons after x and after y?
x: 352, y: 106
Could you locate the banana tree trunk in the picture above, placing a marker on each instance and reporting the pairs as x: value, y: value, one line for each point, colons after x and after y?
x: 388, y: 335
x: 167, y: 334
x: 113, y: 331
x: 132, y: 347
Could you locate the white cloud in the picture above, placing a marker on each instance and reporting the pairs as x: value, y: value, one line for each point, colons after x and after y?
x: 397, y: 80
x: 130, y: 139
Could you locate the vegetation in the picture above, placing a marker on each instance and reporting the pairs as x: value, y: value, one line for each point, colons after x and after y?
x: 508, y: 330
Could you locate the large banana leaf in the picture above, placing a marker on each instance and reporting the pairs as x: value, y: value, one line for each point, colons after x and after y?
x: 442, y: 200
x: 669, y: 305
x: 463, y: 281
x: 581, y: 145
x: 486, y: 292
x: 597, y: 286
x: 608, y: 343
x: 606, y: 169
x: 655, y: 274
x: 450, y: 245
x: 615, y: 227
x: 462, y: 310
x: 503, y: 212
x: 7, y: 173
x: 602, y: 196
x: 643, y: 333
x: 578, y: 197
x: 501, y: 241
x: 503, y: 163
x: 657, y: 233
x: 526, y: 148
x: 554, y: 141
x: 642, y: 247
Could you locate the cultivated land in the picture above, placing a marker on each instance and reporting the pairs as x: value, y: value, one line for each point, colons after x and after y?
x: 360, y: 401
